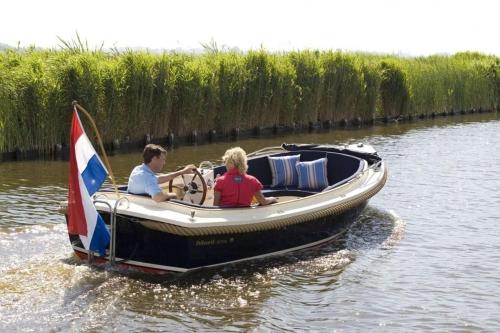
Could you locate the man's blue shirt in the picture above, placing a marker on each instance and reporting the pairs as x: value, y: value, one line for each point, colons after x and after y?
x: 143, y: 180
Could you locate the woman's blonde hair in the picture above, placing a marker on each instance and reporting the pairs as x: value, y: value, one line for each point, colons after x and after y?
x: 237, y: 158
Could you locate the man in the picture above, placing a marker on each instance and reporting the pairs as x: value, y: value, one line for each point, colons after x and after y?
x: 143, y: 179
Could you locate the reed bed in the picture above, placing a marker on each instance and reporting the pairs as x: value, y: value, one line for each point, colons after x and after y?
x: 133, y: 94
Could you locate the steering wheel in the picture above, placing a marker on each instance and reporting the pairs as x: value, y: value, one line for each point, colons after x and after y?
x: 191, y: 188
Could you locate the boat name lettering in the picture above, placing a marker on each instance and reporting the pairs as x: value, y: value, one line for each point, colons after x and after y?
x: 208, y: 242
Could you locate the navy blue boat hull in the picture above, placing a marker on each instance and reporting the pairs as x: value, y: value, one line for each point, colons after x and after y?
x: 140, y: 246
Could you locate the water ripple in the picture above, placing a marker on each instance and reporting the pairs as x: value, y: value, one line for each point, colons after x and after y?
x: 422, y: 257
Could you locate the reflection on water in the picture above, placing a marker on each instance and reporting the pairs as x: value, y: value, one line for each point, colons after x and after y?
x: 423, y: 255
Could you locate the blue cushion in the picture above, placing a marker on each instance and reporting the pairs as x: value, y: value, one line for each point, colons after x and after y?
x: 283, y: 170
x: 313, y: 174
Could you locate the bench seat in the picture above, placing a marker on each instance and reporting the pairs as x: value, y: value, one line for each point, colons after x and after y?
x: 268, y: 191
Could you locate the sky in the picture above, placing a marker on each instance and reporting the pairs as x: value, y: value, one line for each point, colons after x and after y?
x: 401, y: 27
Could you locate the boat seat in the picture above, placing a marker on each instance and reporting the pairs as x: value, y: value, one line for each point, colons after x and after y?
x: 286, y: 191
x: 340, y: 167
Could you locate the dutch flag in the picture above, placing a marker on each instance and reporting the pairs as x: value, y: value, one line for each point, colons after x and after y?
x: 86, y: 175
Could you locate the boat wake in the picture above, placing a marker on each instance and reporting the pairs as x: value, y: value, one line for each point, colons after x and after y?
x: 375, y: 228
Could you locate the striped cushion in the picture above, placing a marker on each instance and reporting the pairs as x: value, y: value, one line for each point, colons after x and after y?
x: 313, y: 174
x: 283, y: 170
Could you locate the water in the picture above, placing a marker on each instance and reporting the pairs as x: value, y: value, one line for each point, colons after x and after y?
x: 422, y: 257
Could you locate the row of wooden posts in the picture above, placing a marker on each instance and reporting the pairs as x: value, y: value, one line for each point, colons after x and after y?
x: 61, y: 151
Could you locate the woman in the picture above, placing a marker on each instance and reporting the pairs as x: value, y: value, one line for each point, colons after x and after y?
x: 235, y: 188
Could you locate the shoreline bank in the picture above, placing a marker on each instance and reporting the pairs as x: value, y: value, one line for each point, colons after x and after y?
x: 61, y: 151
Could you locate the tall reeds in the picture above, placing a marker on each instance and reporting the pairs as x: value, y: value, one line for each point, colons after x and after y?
x: 132, y: 94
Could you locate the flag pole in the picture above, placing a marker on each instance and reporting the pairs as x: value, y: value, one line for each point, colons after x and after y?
x: 108, y: 166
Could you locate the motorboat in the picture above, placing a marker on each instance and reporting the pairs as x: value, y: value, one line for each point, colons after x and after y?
x: 190, y: 233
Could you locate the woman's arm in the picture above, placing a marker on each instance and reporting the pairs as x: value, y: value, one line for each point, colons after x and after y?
x: 263, y: 201
x: 216, y: 198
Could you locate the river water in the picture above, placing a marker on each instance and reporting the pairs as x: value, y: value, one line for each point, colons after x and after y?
x: 424, y: 255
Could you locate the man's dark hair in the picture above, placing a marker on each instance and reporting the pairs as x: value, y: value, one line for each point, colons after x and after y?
x: 152, y: 150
